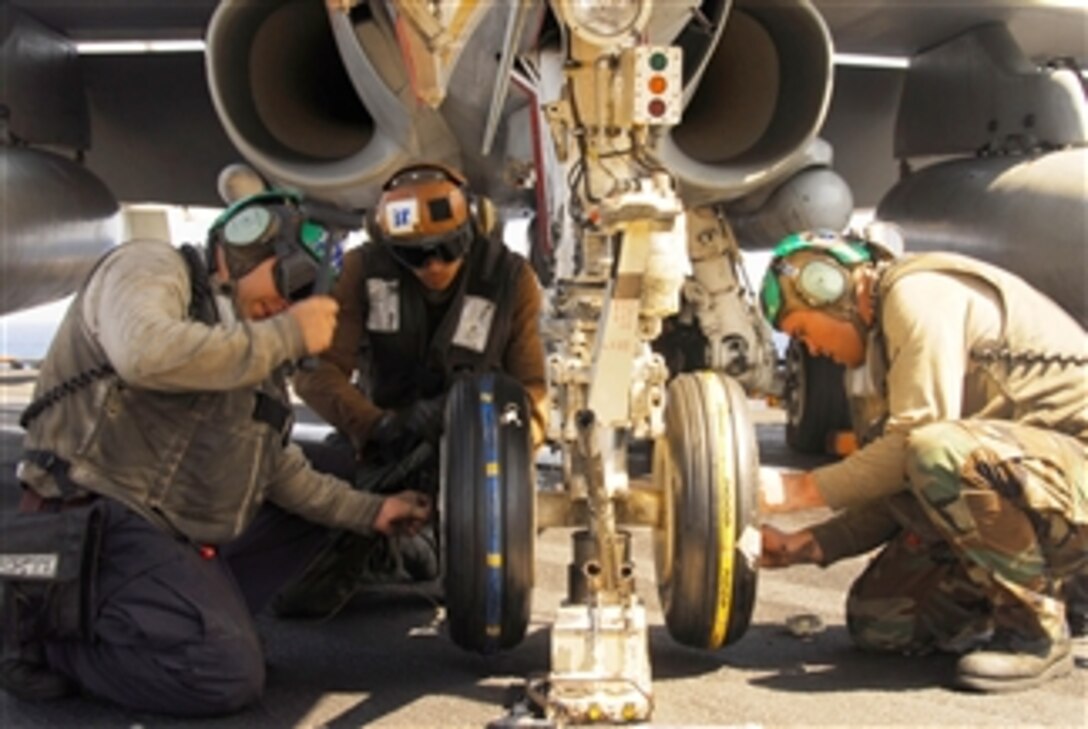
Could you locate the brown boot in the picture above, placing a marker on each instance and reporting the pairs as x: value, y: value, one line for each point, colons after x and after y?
x: 1013, y: 663
x: 1076, y: 605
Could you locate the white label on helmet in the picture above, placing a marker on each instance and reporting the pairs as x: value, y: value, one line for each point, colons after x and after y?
x: 402, y: 217
x: 474, y: 326
x: 384, y: 299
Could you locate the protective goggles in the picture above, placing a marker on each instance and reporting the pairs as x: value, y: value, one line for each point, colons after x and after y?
x: 416, y: 256
x: 818, y: 283
x: 300, y: 245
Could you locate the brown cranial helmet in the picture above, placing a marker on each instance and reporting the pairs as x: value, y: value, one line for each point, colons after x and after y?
x: 424, y: 211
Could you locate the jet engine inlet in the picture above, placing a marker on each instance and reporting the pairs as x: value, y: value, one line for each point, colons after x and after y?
x: 280, y: 84
x: 761, y: 100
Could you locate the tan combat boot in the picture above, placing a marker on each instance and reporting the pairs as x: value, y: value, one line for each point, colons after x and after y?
x: 1011, y: 662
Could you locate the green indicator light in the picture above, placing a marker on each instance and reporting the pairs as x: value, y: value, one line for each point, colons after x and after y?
x: 658, y: 61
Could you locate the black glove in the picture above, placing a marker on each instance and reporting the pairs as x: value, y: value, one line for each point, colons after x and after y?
x: 399, y: 431
x: 424, y: 418
x: 390, y: 434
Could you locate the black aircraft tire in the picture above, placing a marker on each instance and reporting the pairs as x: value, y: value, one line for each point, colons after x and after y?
x: 816, y: 404
x: 707, y: 468
x: 488, y: 513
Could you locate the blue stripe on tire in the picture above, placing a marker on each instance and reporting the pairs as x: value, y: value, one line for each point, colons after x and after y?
x: 493, y: 518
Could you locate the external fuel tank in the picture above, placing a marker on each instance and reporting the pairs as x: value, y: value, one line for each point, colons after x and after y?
x: 56, y: 220
x: 1025, y: 213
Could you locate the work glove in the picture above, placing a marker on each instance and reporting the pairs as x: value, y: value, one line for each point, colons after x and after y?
x: 398, y: 431
x: 395, y: 472
x: 390, y: 438
x: 424, y: 418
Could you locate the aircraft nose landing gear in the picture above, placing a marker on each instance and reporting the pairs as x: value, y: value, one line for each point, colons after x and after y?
x: 701, y: 505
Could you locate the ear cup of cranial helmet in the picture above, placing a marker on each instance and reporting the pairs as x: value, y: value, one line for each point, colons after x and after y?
x: 370, y: 225
x: 484, y: 215
x: 821, y: 282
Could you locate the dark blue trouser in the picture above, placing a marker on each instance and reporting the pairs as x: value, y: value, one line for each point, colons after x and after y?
x: 173, y: 630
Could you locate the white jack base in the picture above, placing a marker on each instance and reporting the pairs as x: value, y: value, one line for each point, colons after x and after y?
x: 600, y: 665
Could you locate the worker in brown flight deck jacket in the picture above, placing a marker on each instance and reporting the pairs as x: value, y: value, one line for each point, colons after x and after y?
x: 434, y: 295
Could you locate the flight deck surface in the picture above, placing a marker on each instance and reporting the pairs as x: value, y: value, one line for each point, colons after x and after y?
x: 385, y: 661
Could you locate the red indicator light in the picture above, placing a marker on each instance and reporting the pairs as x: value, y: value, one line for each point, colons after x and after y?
x: 656, y: 108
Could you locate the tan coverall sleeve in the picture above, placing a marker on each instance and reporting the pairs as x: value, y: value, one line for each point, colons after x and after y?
x: 320, y: 498
x: 927, y: 341
x: 137, y: 307
x: 328, y: 388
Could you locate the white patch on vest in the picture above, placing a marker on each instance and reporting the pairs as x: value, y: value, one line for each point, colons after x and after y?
x: 859, y: 382
x: 862, y: 381
x: 474, y: 326
x: 29, y: 566
x: 384, y: 298
x: 402, y: 217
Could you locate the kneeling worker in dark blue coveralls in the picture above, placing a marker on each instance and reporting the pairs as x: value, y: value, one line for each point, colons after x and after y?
x: 162, y: 411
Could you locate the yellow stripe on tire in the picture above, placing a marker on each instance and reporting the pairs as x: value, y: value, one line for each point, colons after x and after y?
x: 721, y: 434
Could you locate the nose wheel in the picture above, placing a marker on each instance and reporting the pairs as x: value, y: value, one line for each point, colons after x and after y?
x: 706, y: 469
x: 488, y: 513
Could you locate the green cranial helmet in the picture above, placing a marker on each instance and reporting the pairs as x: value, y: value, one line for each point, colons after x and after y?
x: 810, y: 269
x: 273, y: 223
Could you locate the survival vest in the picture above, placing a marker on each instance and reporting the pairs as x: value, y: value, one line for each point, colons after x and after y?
x: 405, y: 362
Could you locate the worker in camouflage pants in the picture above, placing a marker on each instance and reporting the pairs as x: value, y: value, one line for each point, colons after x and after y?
x: 987, y: 529
x: 974, y: 486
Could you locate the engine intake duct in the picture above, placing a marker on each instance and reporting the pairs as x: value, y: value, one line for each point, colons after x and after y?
x: 280, y: 84
x: 760, y: 100
x: 315, y: 97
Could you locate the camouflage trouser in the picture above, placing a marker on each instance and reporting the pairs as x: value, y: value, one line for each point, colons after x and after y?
x: 995, y: 521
